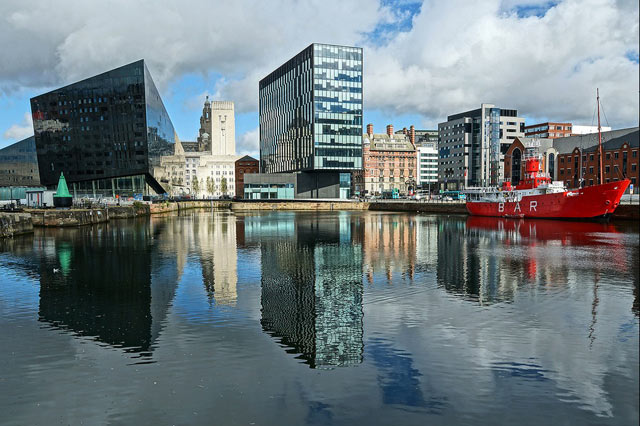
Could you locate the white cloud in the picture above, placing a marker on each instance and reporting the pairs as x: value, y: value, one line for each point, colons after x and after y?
x: 460, y: 54
x: 45, y: 43
x: 247, y: 143
x: 20, y: 131
x: 457, y: 54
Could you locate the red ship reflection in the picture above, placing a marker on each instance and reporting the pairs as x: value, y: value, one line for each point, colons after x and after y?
x: 542, y: 230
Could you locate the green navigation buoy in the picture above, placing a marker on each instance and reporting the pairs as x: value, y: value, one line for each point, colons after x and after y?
x: 63, y: 197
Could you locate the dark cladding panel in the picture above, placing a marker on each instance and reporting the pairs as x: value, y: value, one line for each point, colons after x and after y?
x: 103, y: 127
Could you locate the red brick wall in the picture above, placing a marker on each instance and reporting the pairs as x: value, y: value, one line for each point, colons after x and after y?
x: 242, y: 168
x: 612, y: 162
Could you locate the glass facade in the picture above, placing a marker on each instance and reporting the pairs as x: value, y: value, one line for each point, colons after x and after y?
x: 257, y: 191
x: 311, y: 112
x: 109, y: 126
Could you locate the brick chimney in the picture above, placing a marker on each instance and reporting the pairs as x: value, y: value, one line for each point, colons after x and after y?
x: 412, y: 134
x: 370, y: 129
x: 389, y: 129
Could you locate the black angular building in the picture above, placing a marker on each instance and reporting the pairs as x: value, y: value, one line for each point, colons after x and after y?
x: 311, y: 119
x: 105, y: 133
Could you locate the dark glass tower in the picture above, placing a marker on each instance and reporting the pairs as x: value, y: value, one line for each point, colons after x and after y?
x: 105, y: 133
x: 311, y: 113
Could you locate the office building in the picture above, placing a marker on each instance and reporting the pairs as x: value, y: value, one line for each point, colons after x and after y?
x: 19, y: 164
x: 548, y: 130
x: 472, y: 145
x: 389, y: 161
x: 311, y: 120
x: 105, y: 133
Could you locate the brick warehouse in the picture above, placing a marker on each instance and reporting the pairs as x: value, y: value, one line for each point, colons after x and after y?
x: 575, y: 159
x: 620, y: 161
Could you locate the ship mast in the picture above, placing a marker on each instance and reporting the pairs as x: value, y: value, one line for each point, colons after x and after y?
x: 599, y: 136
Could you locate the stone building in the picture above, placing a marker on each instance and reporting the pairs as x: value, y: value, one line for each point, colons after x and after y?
x: 206, y: 167
x: 389, y: 161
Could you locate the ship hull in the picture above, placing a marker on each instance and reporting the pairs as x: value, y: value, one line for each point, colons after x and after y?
x: 590, y: 202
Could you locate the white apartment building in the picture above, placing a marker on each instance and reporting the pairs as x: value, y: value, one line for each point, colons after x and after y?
x: 427, y: 164
x: 472, y: 144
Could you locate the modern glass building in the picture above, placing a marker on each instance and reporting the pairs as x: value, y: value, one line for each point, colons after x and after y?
x: 105, y: 133
x: 311, y: 118
x: 19, y: 164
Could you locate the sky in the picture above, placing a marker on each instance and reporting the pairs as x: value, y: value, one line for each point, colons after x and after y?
x: 423, y: 60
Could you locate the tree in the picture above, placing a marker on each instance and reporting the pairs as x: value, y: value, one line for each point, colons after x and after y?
x: 211, y: 186
x: 223, y: 185
x: 195, y: 186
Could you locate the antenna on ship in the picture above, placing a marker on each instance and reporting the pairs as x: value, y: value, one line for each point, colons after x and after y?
x: 599, y: 136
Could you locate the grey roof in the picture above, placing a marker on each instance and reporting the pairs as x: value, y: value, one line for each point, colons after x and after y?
x: 247, y: 158
x: 616, y: 143
x: 611, y: 140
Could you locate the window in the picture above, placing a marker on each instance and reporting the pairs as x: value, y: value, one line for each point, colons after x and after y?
x: 561, y: 160
x: 608, y: 156
x: 606, y: 169
x: 591, y: 157
x: 615, y: 155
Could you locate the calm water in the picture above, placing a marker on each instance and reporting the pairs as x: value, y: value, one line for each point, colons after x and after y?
x: 303, y: 318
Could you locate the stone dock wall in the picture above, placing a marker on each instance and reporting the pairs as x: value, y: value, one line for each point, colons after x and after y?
x: 18, y: 223
x: 15, y: 224
x: 70, y: 217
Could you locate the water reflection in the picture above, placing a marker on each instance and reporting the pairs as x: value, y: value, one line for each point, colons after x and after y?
x: 454, y: 317
x: 99, y: 282
x: 312, y: 286
x: 487, y: 259
x: 390, y: 246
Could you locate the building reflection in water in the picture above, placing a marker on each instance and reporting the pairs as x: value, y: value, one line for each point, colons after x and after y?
x: 389, y: 245
x: 485, y: 259
x: 90, y: 286
x: 312, y: 285
x: 211, y: 238
x: 215, y: 235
